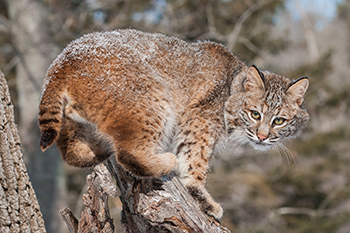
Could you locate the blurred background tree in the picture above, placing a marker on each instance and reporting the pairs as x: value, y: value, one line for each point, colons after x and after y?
x: 301, y: 189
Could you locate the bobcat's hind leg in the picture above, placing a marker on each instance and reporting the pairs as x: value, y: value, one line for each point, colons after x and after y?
x: 141, y: 138
x: 145, y: 164
x: 81, y: 145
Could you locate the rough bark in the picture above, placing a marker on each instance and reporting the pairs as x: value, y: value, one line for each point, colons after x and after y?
x: 95, y: 217
x: 159, y: 205
x: 149, y: 205
x: 19, y: 208
x: 33, y: 48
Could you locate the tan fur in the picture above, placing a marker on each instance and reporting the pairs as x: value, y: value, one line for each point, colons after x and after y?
x: 159, y: 104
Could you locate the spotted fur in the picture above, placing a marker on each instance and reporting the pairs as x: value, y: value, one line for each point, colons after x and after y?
x: 158, y: 104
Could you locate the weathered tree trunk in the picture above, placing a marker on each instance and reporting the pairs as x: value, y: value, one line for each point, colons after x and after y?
x: 34, y: 50
x: 149, y: 205
x: 95, y: 217
x: 19, y: 208
x: 159, y: 205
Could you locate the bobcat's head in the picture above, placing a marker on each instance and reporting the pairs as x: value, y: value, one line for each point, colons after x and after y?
x: 264, y: 108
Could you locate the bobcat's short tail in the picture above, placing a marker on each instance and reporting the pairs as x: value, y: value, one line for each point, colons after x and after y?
x: 50, y: 114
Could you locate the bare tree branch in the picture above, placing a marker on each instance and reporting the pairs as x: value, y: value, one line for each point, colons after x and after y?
x: 96, y: 216
x: 211, y: 24
x: 159, y: 205
x: 308, y: 32
x: 149, y: 205
x: 5, y: 24
x: 233, y: 36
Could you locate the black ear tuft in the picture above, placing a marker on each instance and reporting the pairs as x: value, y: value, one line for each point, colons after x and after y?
x: 297, y: 80
x: 260, y: 73
x: 298, y: 88
x: 254, y: 80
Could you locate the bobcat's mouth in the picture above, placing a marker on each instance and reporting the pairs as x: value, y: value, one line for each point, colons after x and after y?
x: 259, y: 145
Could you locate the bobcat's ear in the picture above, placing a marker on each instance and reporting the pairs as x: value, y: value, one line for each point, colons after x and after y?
x: 255, y: 79
x: 298, y: 89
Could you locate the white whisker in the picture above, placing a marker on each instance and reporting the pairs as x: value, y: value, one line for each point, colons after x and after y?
x: 277, y: 149
x: 290, y: 153
x: 240, y: 142
x: 287, y: 153
x: 233, y: 143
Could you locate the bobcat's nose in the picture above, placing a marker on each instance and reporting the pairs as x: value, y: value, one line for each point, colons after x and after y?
x: 261, y: 137
x: 263, y: 132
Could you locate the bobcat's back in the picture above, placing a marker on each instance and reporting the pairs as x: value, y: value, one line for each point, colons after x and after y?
x: 104, y: 77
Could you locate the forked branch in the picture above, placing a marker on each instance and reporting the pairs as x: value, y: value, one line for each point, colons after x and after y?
x: 159, y: 205
x: 149, y: 205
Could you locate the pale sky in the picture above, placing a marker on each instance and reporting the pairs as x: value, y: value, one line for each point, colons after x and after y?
x: 325, y: 8
x: 322, y: 10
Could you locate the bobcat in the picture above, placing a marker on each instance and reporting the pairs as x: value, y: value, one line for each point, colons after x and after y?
x: 159, y: 104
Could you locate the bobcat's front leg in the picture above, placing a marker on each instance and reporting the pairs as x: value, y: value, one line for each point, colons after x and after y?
x: 194, y: 149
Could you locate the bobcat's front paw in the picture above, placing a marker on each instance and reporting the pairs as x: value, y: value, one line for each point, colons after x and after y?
x: 205, y: 201
x: 214, y: 210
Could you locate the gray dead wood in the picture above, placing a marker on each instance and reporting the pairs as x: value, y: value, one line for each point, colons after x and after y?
x: 149, y: 205
x: 159, y: 205
x: 95, y: 216
x: 19, y: 208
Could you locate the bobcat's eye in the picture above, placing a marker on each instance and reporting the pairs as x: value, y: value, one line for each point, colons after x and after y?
x: 279, y: 121
x: 255, y: 115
